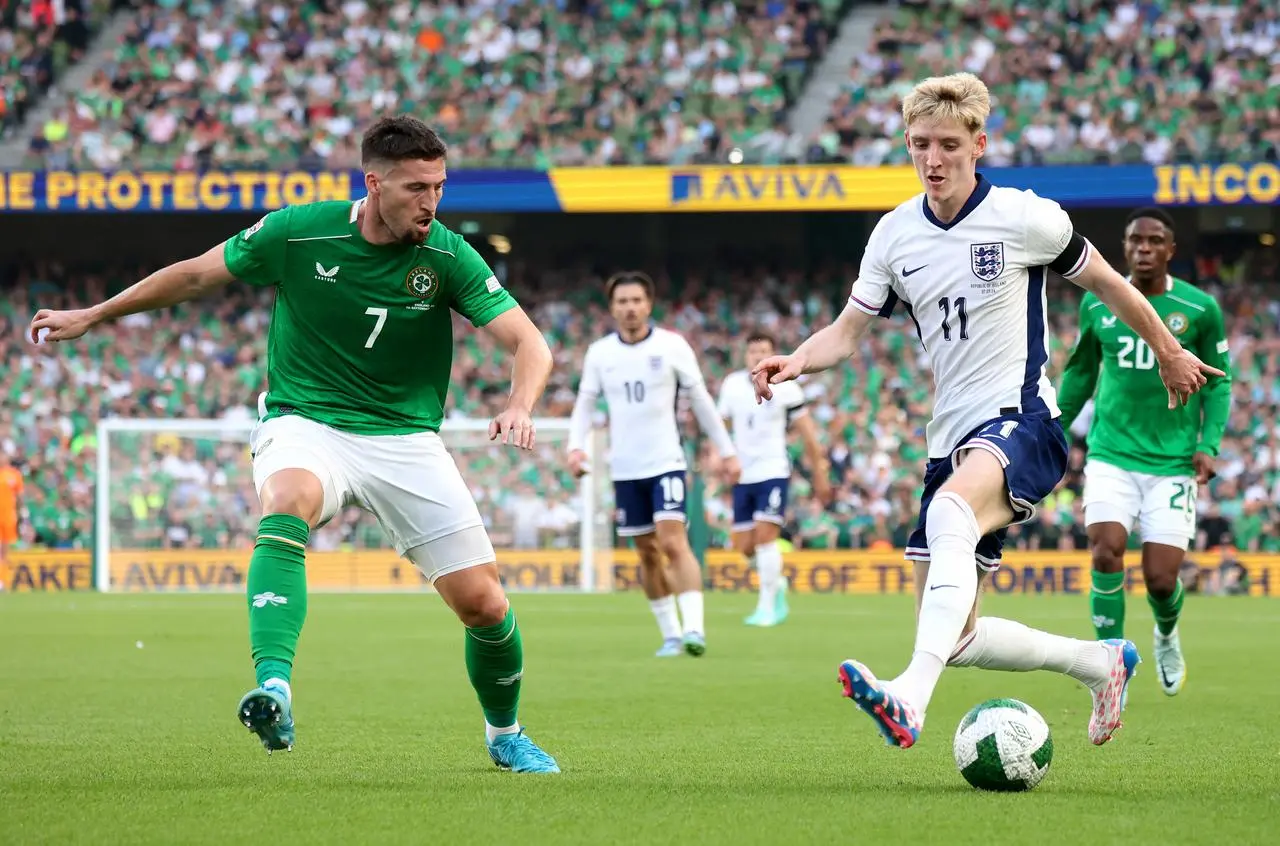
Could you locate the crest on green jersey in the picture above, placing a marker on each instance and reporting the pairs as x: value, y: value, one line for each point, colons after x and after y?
x: 1177, y: 322
x: 422, y: 283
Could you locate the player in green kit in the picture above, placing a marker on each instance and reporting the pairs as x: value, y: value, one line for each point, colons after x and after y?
x: 1147, y: 455
x: 359, y: 355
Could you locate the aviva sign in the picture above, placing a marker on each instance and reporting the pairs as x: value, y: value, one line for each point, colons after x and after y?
x: 789, y: 188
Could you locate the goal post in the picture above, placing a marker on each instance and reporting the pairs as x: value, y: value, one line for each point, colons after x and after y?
x: 176, y: 510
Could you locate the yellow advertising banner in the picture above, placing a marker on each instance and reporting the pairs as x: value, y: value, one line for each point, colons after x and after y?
x: 54, y: 570
x: 809, y: 571
x: 735, y: 188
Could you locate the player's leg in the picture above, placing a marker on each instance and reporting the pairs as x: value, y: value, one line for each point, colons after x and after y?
x: 633, y: 499
x: 770, y: 508
x: 293, y: 471
x: 461, y: 567
x: 744, y: 539
x: 414, y: 488
x: 1112, y: 500
x: 744, y: 543
x: 1167, y: 524
x: 1161, y: 564
x: 772, y: 608
x: 896, y: 719
x: 684, y: 574
x: 992, y: 485
x: 1032, y: 459
x: 653, y: 578
x: 1107, y: 543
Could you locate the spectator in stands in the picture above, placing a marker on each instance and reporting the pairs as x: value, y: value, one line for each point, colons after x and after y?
x: 1079, y: 82
x: 518, y: 83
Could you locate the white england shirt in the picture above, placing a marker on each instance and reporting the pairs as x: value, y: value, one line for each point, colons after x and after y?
x: 975, y: 288
x: 760, y: 431
x: 641, y: 383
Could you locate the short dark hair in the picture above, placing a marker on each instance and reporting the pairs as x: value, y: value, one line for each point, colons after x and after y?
x: 763, y: 337
x: 629, y: 277
x: 1153, y: 212
x: 399, y: 139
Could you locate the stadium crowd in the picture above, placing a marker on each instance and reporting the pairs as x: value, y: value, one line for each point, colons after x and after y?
x: 1078, y: 81
x: 518, y: 83
x: 508, y: 82
x: 207, y: 360
x: 38, y: 41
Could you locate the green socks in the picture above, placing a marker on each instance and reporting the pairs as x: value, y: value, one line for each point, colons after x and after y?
x: 1167, y: 610
x: 495, y: 663
x: 1106, y: 603
x: 277, y: 594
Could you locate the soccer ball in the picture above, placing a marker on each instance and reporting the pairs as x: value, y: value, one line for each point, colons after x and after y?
x: 1003, y: 744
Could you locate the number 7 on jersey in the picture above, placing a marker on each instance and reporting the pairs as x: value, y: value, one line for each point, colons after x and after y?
x: 381, y: 314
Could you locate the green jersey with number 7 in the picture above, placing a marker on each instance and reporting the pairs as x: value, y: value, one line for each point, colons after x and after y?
x: 1133, y: 427
x: 361, y: 336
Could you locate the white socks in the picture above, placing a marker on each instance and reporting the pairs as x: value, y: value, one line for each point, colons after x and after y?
x: 949, y: 594
x: 769, y: 566
x: 664, y: 610
x: 691, y: 611
x: 998, y: 644
x: 492, y: 732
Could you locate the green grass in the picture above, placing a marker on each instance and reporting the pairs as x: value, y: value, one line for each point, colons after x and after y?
x: 105, y: 742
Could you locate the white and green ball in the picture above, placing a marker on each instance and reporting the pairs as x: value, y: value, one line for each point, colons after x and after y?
x: 1003, y: 744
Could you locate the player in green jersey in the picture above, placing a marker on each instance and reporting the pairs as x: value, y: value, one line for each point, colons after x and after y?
x: 360, y: 350
x: 1147, y: 455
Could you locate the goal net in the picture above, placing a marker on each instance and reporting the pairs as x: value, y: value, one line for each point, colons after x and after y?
x: 176, y: 510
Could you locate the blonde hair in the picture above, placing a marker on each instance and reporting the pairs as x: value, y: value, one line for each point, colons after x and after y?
x: 960, y: 97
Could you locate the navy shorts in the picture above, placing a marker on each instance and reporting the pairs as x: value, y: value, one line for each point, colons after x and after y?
x: 1032, y: 449
x: 641, y: 503
x: 759, y: 502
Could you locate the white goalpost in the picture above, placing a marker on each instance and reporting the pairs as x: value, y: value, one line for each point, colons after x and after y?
x: 176, y: 510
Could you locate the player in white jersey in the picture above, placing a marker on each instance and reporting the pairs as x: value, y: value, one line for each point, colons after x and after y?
x: 640, y: 370
x: 760, y: 497
x: 968, y: 261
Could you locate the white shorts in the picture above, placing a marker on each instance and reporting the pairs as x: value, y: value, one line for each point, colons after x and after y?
x: 409, y: 482
x: 1164, y: 507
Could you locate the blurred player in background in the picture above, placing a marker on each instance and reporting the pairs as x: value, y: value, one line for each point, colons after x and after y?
x: 10, y: 505
x: 1145, y: 461
x: 969, y: 260
x: 760, y: 498
x: 361, y: 346
x: 639, y: 370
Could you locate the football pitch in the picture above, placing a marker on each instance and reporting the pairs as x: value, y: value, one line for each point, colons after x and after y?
x: 117, y: 725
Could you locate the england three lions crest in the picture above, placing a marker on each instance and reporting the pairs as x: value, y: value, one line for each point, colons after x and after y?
x: 987, y: 260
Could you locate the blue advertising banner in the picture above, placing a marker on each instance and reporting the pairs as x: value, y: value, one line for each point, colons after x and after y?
x: 742, y: 188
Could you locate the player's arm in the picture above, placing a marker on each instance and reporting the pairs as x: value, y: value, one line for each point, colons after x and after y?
x: 819, y: 468
x: 724, y: 404
x: 1183, y: 373
x: 179, y: 282
x: 580, y: 420
x: 1050, y: 239
x: 689, y: 378
x: 872, y: 296
x: 516, y: 333
x: 477, y: 295
x: 1080, y: 378
x: 833, y: 344
x: 1216, y: 408
x: 822, y: 350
